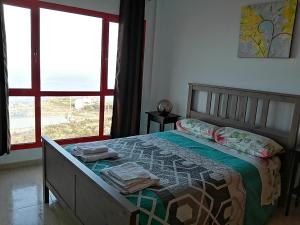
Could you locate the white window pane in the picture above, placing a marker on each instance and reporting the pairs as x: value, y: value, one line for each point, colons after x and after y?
x: 18, y: 38
x: 112, y: 54
x: 70, y: 117
x: 108, y: 111
x: 22, y: 122
x: 70, y: 51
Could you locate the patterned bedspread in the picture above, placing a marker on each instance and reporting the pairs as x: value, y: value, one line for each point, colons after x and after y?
x: 198, y: 183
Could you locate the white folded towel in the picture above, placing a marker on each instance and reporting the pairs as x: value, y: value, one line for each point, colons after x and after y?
x: 95, y: 157
x: 133, y: 187
x: 92, y: 150
x: 129, y: 177
x: 88, y: 149
x: 129, y: 171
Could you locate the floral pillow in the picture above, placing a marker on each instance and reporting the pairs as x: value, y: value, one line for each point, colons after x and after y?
x: 197, y: 128
x: 247, y: 142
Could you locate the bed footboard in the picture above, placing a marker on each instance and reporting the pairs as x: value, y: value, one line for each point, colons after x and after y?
x: 80, y: 190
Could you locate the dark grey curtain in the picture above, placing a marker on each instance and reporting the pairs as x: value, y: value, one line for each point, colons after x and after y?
x: 128, y: 88
x: 4, y: 117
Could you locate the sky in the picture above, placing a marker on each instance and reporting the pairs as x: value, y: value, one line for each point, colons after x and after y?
x: 70, y: 50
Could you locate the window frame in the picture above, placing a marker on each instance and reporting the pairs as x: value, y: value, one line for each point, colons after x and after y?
x: 35, y: 90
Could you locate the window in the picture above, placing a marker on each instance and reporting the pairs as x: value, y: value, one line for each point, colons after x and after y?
x: 112, y: 54
x: 18, y: 35
x: 70, y: 51
x: 61, y: 69
x: 108, y: 111
x: 70, y: 117
x: 22, y: 122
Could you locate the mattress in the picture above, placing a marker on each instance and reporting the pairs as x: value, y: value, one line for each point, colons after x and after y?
x: 201, y: 182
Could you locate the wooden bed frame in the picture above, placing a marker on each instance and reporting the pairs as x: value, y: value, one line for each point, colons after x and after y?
x: 94, y: 202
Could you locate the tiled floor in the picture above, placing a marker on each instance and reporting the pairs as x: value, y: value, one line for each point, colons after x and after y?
x: 21, y: 202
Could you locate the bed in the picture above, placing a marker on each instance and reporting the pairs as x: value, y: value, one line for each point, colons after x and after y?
x: 200, y: 182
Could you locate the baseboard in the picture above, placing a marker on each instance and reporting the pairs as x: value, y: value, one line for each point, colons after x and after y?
x: 14, y: 165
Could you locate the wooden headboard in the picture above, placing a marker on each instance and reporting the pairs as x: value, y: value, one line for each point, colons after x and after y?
x: 245, y: 109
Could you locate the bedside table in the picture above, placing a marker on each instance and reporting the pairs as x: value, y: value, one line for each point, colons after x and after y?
x: 292, y: 182
x: 161, y: 119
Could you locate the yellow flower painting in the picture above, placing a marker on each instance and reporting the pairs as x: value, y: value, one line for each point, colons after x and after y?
x: 267, y: 29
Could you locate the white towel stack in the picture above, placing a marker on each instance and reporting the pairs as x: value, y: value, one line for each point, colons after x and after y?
x: 129, y: 177
x: 91, y: 153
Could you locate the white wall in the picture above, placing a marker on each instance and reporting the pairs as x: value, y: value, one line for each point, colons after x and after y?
x: 197, y: 41
x: 108, y: 6
x: 150, y: 15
